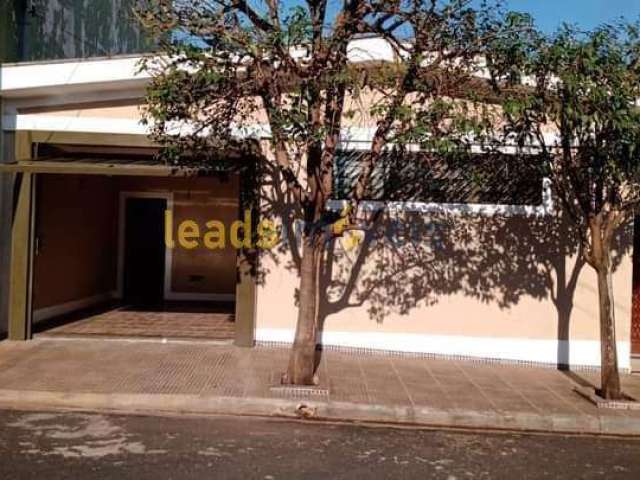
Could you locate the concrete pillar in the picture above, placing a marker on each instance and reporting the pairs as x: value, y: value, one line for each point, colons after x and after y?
x: 6, y: 213
x: 247, y: 264
x: 245, y: 302
x: 22, y: 219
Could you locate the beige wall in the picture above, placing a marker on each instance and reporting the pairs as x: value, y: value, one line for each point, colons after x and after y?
x: 477, y: 280
x: 197, y: 270
x: 76, y: 229
x: 454, y: 313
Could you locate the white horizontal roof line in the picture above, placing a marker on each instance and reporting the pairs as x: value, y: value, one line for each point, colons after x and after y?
x: 26, y: 79
x: 23, y: 80
x: 57, y: 123
x: 353, y: 138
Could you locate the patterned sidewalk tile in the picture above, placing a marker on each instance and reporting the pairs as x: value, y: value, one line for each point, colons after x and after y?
x: 107, y: 366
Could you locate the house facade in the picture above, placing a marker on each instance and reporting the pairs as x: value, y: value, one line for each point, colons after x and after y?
x: 86, y: 212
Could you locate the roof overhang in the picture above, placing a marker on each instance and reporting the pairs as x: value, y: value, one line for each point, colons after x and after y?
x: 44, y: 79
x: 122, y: 73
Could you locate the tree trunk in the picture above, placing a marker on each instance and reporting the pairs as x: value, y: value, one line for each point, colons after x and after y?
x: 303, y: 353
x: 601, y: 260
x: 610, y: 382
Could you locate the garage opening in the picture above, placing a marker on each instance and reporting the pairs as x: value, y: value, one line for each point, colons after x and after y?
x: 103, y: 266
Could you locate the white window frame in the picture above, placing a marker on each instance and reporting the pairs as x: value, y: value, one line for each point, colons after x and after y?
x: 546, y: 208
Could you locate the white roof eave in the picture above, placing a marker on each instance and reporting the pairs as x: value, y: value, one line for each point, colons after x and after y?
x: 45, y: 79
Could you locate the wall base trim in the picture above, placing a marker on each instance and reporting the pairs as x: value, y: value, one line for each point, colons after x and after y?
x: 68, y: 307
x: 541, y: 352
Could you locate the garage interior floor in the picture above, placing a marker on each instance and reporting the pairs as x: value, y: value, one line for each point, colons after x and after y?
x: 174, y: 320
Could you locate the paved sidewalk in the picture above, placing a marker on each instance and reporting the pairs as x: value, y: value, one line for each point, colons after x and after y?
x: 203, y: 378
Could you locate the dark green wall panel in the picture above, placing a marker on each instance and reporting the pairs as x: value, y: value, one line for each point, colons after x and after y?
x: 36, y: 30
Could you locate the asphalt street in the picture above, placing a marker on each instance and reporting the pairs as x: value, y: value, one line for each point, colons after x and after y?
x: 90, y: 446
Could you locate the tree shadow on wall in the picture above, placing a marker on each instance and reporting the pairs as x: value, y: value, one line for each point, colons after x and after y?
x: 408, y: 260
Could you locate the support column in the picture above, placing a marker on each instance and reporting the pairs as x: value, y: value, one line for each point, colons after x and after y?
x: 245, y: 302
x: 6, y: 203
x: 247, y: 263
x: 22, y: 247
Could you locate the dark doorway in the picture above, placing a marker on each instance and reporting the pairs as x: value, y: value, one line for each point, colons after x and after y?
x: 144, y: 254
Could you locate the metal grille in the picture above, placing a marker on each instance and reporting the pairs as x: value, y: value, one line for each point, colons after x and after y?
x: 460, y: 178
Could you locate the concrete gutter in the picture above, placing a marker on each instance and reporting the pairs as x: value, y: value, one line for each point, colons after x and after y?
x: 163, y: 404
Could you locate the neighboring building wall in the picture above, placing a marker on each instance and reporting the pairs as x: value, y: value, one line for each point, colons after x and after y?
x: 11, y: 17
x: 60, y: 29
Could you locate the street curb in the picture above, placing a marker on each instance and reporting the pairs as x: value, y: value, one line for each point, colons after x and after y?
x: 321, y: 410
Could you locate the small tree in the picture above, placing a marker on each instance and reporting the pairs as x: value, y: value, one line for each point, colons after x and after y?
x: 225, y: 64
x: 582, y: 113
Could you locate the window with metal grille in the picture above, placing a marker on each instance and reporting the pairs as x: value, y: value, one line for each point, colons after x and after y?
x: 468, y: 178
